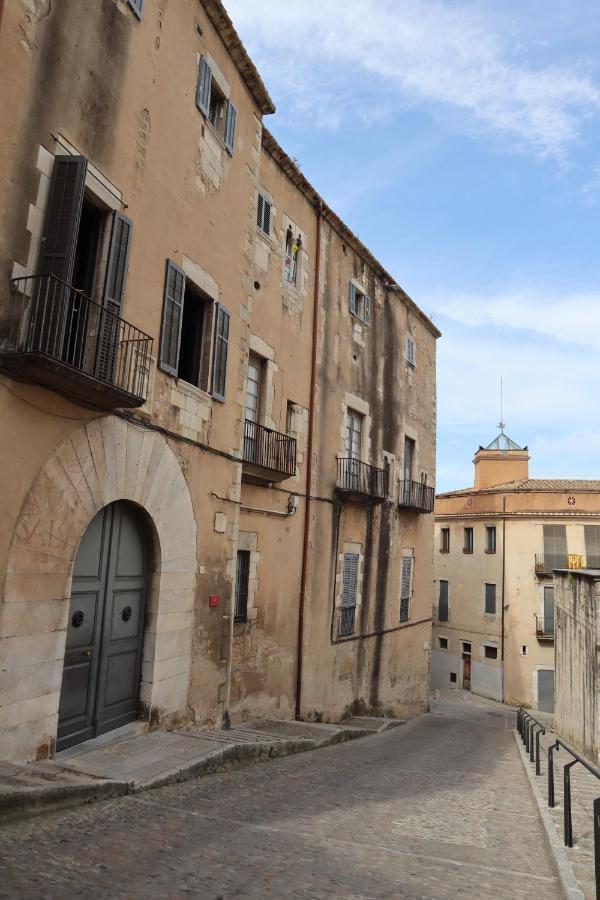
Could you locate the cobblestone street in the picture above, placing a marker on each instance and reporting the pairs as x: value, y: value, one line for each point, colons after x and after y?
x: 437, y: 808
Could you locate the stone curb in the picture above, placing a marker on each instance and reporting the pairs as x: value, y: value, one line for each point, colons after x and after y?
x: 32, y: 801
x: 564, y: 869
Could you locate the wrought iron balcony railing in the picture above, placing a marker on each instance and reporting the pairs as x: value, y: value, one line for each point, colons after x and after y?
x: 415, y: 495
x: 360, y: 481
x: 268, y: 455
x: 56, y: 336
x: 544, y: 628
x: 546, y: 563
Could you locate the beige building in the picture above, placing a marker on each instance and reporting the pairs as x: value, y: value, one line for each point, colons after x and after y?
x: 496, y: 546
x: 218, y: 408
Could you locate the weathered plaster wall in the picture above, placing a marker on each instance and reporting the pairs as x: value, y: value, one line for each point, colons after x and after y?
x: 576, y: 711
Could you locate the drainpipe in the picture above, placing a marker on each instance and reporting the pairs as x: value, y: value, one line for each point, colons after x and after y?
x: 503, y: 577
x: 309, y: 466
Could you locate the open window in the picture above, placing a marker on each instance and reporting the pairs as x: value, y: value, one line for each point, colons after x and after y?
x: 212, y: 102
x: 194, y: 329
x: 359, y: 303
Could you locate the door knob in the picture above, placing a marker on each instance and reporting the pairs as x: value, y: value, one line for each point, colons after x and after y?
x: 87, y: 652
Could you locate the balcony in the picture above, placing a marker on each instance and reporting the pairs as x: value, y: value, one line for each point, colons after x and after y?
x: 546, y: 563
x: 544, y: 628
x: 268, y: 455
x: 417, y: 496
x: 57, y: 337
x: 360, y: 482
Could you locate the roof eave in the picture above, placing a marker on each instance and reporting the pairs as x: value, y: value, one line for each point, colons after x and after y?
x: 224, y: 27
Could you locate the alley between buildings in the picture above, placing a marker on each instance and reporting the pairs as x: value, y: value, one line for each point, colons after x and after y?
x: 438, y: 808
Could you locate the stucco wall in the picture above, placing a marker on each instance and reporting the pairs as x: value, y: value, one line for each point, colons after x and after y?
x: 576, y: 711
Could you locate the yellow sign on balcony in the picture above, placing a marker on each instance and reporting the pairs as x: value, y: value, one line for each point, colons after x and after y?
x: 575, y: 561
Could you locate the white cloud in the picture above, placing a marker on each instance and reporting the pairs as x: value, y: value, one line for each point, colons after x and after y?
x: 572, y: 318
x: 340, y: 58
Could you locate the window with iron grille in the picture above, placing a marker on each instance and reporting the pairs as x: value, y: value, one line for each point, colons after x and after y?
x: 490, y: 599
x: 405, y: 587
x: 443, y: 602
x: 349, y: 592
x: 242, y: 579
x: 263, y: 214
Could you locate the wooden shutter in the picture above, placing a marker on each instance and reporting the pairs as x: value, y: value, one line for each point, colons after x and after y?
x: 555, y: 546
x: 118, y: 258
x: 443, y: 602
x: 406, y: 577
x: 63, y: 215
x: 114, y: 287
x: 137, y: 6
x: 592, y: 546
x: 203, y: 89
x: 490, y: 599
x: 367, y: 309
x: 259, y: 211
x: 352, y: 298
x: 230, y: 120
x: 172, y: 317
x: 350, y: 579
x: 266, y: 226
x: 220, y: 351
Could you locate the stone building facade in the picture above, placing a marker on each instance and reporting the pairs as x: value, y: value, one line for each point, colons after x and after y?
x: 218, y: 408
x: 496, y: 547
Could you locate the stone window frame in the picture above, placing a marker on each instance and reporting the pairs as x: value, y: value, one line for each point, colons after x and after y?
x: 356, y: 548
x: 297, y: 286
x: 488, y: 529
x: 443, y: 637
x: 468, y: 544
x: 492, y: 645
x: 248, y: 540
x: 444, y: 545
x: 407, y: 553
x: 259, y: 348
x: 360, y: 406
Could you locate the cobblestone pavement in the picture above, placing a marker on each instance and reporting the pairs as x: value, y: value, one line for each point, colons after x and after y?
x: 439, y: 808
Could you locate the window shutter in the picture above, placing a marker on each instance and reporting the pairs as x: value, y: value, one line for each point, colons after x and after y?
x: 118, y: 258
x: 63, y: 214
x: 352, y: 298
x: 443, y: 602
x: 230, y: 127
x: 259, y: 211
x: 221, y: 348
x: 267, y: 217
x: 367, y: 309
x: 406, y: 577
x: 350, y: 579
x: 137, y: 6
x: 172, y: 318
x: 203, y: 89
x: 490, y: 599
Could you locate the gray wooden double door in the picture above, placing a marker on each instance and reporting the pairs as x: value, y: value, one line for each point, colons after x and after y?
x: 103, y: 654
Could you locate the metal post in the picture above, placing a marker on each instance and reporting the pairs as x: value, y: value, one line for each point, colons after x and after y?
x: 551, y: 776
x: 531, y: 742
x: 538, y: 770
x: 597, y: 845
x: 526, y: 736
x: 567, y: 804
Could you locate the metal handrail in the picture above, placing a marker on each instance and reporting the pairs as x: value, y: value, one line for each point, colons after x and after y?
x: 525, y: 728
x: 269, y: 449
x: 52, y: 319
x: 416, y: 495
x: 359, y: 477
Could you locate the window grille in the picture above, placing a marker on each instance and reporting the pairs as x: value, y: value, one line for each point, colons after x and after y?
x: 405, y: 587
x: 242, y: 579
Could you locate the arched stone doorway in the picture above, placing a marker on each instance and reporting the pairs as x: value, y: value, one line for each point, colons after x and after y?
x: 105, y: 627
x: 105, y: 461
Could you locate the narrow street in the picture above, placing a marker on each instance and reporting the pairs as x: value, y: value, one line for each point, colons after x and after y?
x: 437, y: 808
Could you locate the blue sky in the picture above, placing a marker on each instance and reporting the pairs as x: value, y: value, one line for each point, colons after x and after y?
x: 461, y: 141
